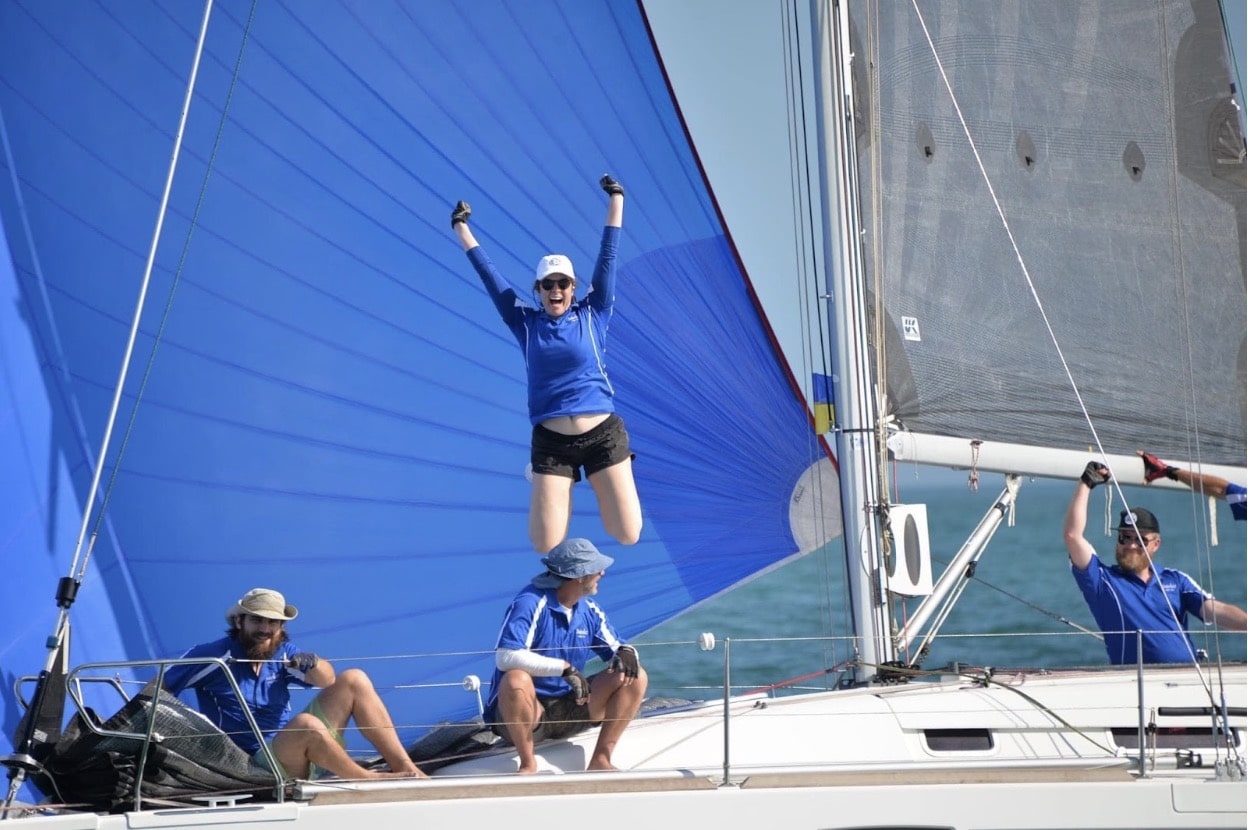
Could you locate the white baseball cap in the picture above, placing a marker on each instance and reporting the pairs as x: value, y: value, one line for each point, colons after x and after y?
x: 554, y: 264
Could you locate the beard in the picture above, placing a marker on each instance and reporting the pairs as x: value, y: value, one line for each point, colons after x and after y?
x: 259, y: 647
x: 1131, y: 561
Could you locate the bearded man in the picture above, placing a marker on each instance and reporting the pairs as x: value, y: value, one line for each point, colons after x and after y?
x: 265, y: 664
x: 1136, y: 594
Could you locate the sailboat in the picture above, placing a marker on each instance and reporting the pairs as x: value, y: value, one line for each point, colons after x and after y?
x: 323, y: 402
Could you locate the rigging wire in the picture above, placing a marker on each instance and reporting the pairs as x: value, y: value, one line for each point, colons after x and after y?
x: 807, y: 278
x: 181, y: 263
x: 177, y: 275
x: 1200, y: 518
x: 138, y: 312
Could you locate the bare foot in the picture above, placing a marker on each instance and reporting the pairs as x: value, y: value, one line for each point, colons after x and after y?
x: 597, y: 764
x: 527, y: 769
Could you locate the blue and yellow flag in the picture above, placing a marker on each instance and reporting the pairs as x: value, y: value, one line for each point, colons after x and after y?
x: 825, y: 409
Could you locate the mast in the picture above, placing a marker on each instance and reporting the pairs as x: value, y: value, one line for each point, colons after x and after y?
x: 856, y: 446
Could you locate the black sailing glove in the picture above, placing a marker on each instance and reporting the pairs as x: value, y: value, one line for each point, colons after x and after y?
x: 625, y: 660
x: 611, y: 185
x: 304, y: 661
x: 461, y: 213
x: 1093, y: 474
x: 580, y: 686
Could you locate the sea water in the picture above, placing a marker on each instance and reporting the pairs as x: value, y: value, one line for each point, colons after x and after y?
x: 1022, y: 608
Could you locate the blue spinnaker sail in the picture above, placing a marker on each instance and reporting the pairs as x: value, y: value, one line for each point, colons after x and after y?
x: 324, y: 399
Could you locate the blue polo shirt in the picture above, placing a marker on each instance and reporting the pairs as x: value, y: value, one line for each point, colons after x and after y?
x: 1237, y: 498
x: 267, y: 694
x: 535, y: 621
x: 565, y: 358
x: 1121, y: 602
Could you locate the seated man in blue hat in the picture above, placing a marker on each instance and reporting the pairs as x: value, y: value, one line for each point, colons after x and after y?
x: 552, y: 629
x: 265, y: 664
x: 1136, y: 594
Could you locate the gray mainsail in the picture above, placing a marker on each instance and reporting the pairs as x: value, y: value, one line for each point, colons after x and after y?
x: 1111, y: 138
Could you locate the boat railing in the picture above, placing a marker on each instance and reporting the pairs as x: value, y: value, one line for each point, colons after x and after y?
x: 79, y: 675
x: 723, y: 694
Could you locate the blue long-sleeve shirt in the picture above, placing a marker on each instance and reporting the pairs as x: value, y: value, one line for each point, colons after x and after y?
x: 564, y: 357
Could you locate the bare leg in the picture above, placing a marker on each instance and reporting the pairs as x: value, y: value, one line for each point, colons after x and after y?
x: 352, y: 696
x: 306, y: 740
x: 519, y: 709
x: 550, y: 511
x: 618, y: 503
x: 614, y: 700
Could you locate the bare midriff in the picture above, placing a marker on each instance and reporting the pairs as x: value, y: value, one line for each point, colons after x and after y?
x: 575, y: 424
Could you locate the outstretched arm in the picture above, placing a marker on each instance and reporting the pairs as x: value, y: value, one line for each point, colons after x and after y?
x: 1205, y: 483
x: 1225, y: 615
x: 1079, y: 548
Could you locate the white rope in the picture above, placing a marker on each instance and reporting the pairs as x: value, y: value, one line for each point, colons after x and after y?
x: 1005, y: 224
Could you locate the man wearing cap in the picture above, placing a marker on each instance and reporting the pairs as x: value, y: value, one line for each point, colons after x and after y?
x: 1136, y: 594
x: 552, y: 629
x: 265, y: 664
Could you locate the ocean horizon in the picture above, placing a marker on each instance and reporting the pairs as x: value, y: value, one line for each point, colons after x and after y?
x: 1022, y: 608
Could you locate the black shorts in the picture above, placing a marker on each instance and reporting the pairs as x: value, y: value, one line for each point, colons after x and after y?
x: 603, y: 446
x: 562, y: 717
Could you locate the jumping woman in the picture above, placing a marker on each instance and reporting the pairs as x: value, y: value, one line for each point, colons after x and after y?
x: 571, y: 401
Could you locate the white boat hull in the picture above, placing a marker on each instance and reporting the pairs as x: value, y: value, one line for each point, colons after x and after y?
x: 1061, y: 754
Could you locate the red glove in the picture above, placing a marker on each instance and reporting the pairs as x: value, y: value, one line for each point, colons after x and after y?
x: 1155, y: 468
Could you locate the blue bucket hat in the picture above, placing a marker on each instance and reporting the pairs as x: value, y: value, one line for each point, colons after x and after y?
x: 570, y: 559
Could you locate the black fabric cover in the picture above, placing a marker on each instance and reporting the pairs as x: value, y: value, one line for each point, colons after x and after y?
x: 193, y: 757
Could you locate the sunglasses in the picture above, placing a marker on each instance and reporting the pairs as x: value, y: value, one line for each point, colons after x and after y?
x: 549, y: 285
x: 1131, y: 539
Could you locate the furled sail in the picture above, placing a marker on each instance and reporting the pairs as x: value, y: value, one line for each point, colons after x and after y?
x: 325, y: 401
x: 1121, y: 178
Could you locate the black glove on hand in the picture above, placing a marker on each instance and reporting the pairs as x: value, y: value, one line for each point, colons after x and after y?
x: 625, y: 660
x: 1155, y: 468
x: 610, y: 185
x: 461, y: 212
x: 580, y: 686
x: 304, y: 661
x: 1093, y: 475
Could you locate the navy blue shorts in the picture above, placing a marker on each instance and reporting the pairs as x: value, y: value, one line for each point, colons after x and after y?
x: 555, y: 454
